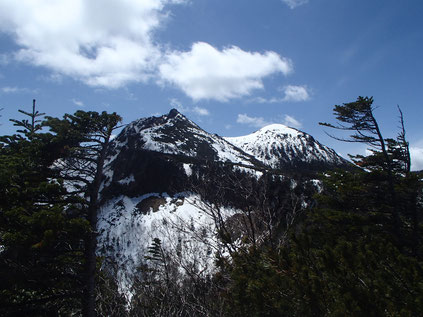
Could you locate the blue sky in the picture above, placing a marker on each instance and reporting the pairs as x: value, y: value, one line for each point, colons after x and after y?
x: 231, y: 66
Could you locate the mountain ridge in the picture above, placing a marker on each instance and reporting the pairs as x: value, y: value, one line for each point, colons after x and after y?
x: 280, y: 146
x: 166, y: 178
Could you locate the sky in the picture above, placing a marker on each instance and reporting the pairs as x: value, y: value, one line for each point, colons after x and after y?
x: 230, y: 66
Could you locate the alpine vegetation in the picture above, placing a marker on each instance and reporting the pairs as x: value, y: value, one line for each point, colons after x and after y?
x: 166, y: 219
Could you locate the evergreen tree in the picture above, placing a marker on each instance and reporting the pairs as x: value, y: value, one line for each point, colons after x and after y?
x: 39, y: 237
x: 359, y: 250
x: 88, y: 135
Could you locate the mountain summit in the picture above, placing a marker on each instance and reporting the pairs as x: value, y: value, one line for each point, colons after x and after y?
x: 168, y: 180
x: 279, y: 146
x: 175, y: 134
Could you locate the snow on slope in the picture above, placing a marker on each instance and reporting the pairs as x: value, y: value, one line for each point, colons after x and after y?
x: 182, y: 223
x: 175, y: 134
x: 277, y: 144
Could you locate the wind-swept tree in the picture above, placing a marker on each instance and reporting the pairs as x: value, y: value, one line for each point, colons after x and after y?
x: 346, y: 257
x: 87, y: 136
x: 389, y: 158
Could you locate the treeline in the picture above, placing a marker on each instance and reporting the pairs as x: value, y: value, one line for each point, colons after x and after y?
x: 354, y: 250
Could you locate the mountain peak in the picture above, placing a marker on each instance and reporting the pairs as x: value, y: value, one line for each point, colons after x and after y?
x: 175, y: 134
x: 280, y: 146
x: 173, y: 113
x: 279, y: 128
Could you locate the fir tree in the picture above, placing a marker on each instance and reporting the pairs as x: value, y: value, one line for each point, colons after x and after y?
x: 40, y: 240
x: 88, y: 135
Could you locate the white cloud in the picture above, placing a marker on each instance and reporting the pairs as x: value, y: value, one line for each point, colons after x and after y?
x: 16, y: 90
x: 291, y: 93
x: 257, y: 122
x: 295, y: 93
x: 109, y: 43
x: 207, y: 73
x: 294, y: 3
x: 175, y: 103
x: 197, y: 110
x: 292, y: 122
x: 100, y: 42
x: 416, y: 153
x: 416, y: 158
x: 8, y: 90
x: 200, y: 111
x: 266, y: 100
x: 77, y: 102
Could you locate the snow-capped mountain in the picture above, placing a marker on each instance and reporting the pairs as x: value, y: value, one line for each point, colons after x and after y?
x: 279, y: 146
x: 177, y: 135
x: 168, y: 179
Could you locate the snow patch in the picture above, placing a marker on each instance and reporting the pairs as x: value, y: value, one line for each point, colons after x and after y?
x: 183, y: 223
x: 188, y: 170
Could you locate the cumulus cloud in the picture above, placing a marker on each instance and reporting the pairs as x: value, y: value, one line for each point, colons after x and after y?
x: 292, y: 122
x: 109, y: 43
x: 205, y: 72
x: 295, y: 93
x: 100, y: 42
x: 416, y: 158
x: 294, y: 3
x: 257, y: 122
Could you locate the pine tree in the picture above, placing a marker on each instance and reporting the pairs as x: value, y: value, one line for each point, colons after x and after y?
x: 389, y: 159
x: 40, y: 240
x: 88, y: 135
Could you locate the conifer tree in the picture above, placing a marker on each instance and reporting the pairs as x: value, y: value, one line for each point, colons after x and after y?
x: 40, y: 241
x: 390, y: 158
x: 32, y: 125
x: 345, y: 258
x: 88, y: 135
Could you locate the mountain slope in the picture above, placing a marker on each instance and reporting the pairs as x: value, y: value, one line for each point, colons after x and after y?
x: 176, y: 135
x: 168, y: 179
x: 279, y: 146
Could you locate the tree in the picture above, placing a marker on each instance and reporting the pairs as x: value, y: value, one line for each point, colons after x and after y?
x: 40, y: 239
x: 346, y: 257
x: 88, y: 136
x: 30, y: 127
x: 390, y: 158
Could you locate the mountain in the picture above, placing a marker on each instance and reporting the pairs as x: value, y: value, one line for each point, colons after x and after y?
x: 279, y: 146
x: 176, y: 135
x: 168, y: 180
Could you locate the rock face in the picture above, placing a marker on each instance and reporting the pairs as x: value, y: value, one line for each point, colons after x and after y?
x: 168, y: 179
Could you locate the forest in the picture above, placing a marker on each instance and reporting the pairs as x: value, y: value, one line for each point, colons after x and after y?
x: 355, y: 250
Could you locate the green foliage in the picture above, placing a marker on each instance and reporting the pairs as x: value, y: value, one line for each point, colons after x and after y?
x: 30, y: 127
x: 359, y: 250
x: 44, y: 227
x: 85, y: 137
x: 40, y: 241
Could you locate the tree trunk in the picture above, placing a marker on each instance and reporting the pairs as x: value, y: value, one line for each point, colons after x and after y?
x: 88, y: 301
